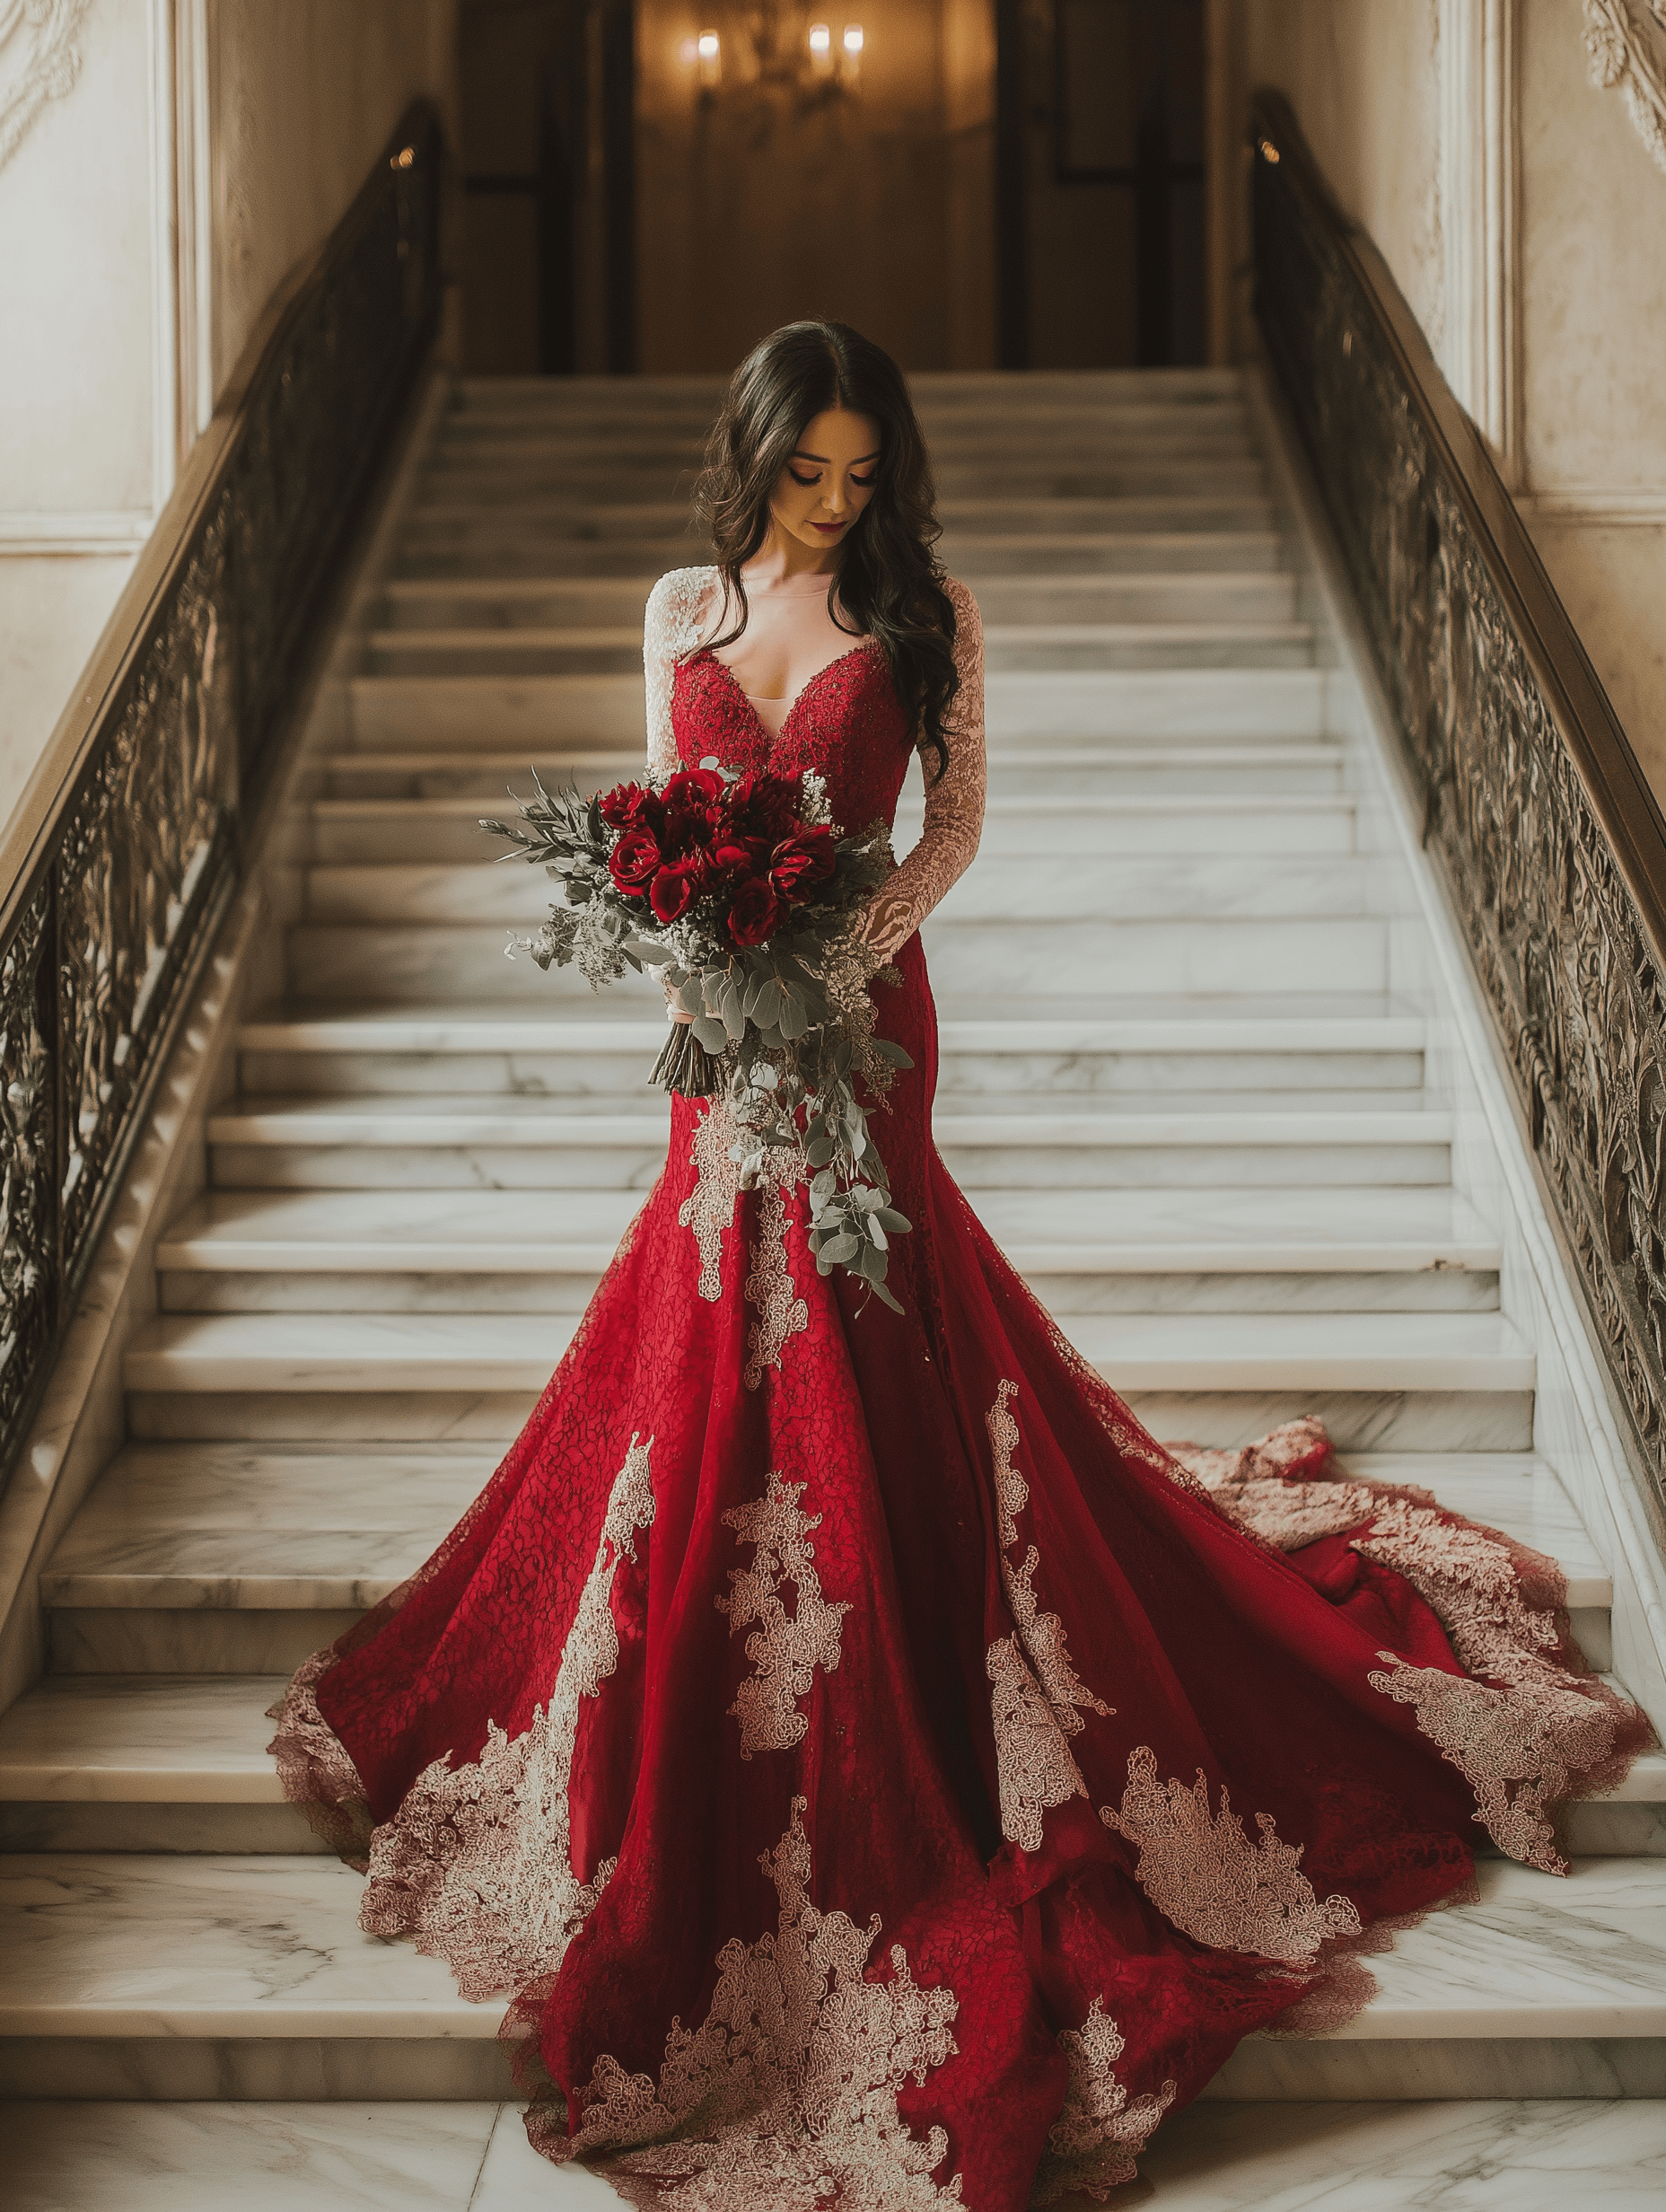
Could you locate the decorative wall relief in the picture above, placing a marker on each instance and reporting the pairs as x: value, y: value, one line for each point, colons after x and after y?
x: 137, y: 858
x: 38, y: 61
x: 1566, y: 944
x: 1625, y: 41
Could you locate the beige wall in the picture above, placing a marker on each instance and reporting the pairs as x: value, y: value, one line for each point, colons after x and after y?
x: 1573, y: 270
x: 842, y: 211
x: 1592, y: 289
x: 96, y: 206
x: 1363, y: 77
x: 304, y: 93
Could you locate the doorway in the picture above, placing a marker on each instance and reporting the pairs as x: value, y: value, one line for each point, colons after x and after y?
x: 1101, y: 257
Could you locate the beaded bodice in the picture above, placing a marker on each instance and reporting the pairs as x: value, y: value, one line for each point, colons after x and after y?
x: 846, y: 725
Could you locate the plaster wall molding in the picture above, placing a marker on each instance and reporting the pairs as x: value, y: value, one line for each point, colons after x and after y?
x: 1595, y: 503
x: 119, y: 530
x: 40, y: 59
x: 1478, y: 165
x: 1625, y: 41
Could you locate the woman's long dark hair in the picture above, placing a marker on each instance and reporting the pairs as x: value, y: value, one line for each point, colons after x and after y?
x: 890, y: 583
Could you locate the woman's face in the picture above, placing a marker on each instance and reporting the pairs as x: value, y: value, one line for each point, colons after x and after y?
x: 829, y: 480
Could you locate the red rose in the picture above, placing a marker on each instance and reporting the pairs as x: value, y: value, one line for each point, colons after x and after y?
x: 675, y: 888
x: 756, y: 913
x: 628, y: 807
x: 803, y: 862
x: 694, y: 788
x: 634, y: 860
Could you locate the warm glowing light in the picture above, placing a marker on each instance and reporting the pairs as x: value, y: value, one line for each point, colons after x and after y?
x: 689, y: 52
x: 403, y: 159
x: 821, y: 40
x: 705, y: 45
x: 853, y: 37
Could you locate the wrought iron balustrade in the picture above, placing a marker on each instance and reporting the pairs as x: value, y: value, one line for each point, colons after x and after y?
x: 132, y: 835
x: 1550, y: 839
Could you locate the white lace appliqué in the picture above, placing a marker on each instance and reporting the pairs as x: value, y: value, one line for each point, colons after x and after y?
x: 769, y: 1287
x: 1202, y: 1872
x: 1037, y: 1698
x: 478, y: 1864
x: 672, y: 629
x: 709, y: 1207
x: 784, y: 1649
x: 1092, y: 2143
x: 789, y: 2085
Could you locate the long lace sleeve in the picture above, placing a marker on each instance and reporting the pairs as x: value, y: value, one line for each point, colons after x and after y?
x: 954, y: 800
x: 670, y: 628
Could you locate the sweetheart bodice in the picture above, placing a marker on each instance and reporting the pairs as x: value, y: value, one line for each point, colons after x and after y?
x: 846, y: 725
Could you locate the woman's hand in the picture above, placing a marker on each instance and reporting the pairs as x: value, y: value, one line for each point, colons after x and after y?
x: 675, y: 1011
x: 888, y: 923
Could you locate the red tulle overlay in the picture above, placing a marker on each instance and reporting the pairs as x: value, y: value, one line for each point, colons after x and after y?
x: 877, y: 1773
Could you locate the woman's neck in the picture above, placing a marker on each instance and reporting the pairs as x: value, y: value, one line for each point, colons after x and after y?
x: 784, y: 560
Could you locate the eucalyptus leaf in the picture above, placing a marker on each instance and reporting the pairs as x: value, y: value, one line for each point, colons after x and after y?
x: 711, y: 1034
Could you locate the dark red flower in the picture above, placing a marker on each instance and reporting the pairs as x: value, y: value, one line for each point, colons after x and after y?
x: 756, y: 914
x: 802, y: 861
x: 630, y: 806
x: 694, y: 788
x: 675, y: 888
x: 634, y: 860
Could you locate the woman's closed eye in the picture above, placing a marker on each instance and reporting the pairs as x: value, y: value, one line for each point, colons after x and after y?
x: 859, y: 483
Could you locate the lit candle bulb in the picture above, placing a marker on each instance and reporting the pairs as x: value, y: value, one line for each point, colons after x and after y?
x: 710, y: 52
x: 821, y: 50
x: 850, y: 60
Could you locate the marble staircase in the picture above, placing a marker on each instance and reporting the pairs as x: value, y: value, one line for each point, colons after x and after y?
x: 1179, y: 1079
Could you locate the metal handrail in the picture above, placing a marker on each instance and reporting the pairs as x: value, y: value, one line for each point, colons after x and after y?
x: 132, y: 833
x: 1536, y: 811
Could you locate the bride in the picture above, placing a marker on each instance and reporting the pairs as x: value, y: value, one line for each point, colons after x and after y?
x: 877, y: 1773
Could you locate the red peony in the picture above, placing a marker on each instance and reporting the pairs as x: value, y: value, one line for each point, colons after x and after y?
x: 756, y: 914
x: 802, y: 861
x: 634, y: 860
x: 676, y: 887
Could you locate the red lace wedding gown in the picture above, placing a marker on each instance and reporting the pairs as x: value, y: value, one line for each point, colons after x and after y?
x: 877, y: 1774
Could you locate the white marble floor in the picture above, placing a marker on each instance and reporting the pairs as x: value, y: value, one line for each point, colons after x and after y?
x: 1549, y: 2155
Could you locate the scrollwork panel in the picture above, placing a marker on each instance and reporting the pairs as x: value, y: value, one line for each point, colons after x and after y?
x: 1557, y: 938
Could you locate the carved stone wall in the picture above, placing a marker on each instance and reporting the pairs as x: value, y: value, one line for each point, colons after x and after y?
x: 132, y: 872
x: 1565, y: 954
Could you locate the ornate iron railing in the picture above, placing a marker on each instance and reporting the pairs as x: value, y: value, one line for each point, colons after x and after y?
x: 1534, y: 807
x: 132, y: 834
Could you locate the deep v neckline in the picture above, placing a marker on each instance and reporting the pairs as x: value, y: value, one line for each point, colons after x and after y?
x: 772, y: 738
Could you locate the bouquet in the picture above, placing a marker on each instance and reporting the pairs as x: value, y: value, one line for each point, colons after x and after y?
x: 741, y: 891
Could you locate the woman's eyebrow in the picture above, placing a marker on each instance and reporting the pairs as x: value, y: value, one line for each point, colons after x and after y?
x: 822, y: 460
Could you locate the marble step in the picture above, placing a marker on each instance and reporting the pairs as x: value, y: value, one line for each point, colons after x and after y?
x: 411, y: 962
x: 476, y: 535
x: 1201, y: 640
x: 1101, y: 1252
x: 425, y: 818
x: 1041, y: 885
x: 153, y: 1763
x: 536, y: 714
x: 496, y: 605
x: 968, y: 552
x: 515, y: 485
x: 177, y: 1977
x: 1135, y: 1351
x: 429, y: 1141
x: 1038, y: 783
x: 1480, y: 2155
x: 463, y: 1049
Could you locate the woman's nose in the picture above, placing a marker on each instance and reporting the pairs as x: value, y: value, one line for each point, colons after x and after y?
x: 837, y: 498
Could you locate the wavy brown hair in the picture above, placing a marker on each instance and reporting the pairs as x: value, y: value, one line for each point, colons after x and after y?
x: 889, y: 582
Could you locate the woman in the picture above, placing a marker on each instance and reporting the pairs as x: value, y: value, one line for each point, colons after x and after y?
x: 835, y: 1729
